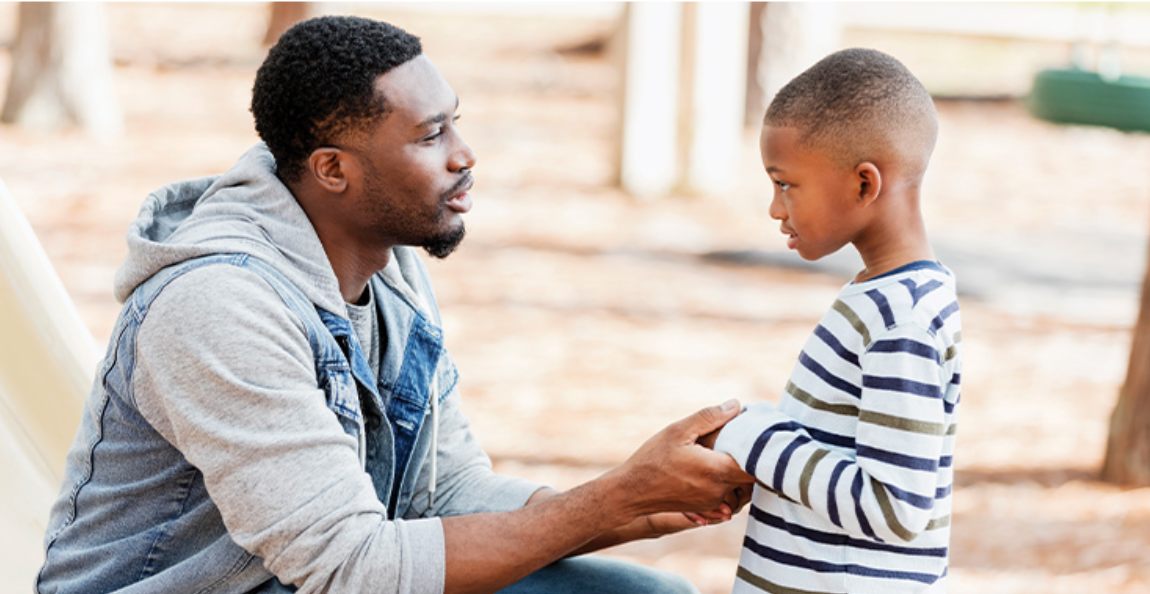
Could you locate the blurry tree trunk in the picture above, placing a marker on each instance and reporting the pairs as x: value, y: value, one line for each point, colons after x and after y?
x: 1128, y: 448
x: 284, y: 15
x: 62, y: 69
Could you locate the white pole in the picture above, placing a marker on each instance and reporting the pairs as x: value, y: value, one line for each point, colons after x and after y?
x: 651, y: 98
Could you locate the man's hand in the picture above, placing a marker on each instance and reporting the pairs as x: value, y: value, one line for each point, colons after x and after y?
x: 647, y: 496
x: 672, y: 472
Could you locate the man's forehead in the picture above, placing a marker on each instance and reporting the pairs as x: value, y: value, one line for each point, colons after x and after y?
x: 416, y: 91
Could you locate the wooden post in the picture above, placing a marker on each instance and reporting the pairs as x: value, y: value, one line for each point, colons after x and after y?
x: 718, y: 77
x: 1127, y: 460
x: 62, y: 70
x: 283, y: 16
x: 794, y: 36
x: 650, y: 114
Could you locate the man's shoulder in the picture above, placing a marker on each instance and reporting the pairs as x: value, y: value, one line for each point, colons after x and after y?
x: 218, y: 292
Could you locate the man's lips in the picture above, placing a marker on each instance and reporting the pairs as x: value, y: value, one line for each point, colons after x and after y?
x: 459, y: 200
x: 460, y: 203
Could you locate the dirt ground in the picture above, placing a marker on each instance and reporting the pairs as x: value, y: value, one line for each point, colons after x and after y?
x: 583, y: 320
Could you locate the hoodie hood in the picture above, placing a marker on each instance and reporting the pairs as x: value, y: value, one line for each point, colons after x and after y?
x: 247, y: 210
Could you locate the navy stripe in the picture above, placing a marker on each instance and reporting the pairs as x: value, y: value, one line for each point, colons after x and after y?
x: 945, y: 461
x: 832, y: 499
x: 883, y: 307
x: 761, y: 442
x: 898, y: 384
x: 829, y: 438
x: 916, y: 265
x: 785, y: 459
x: 856, y: 494
x: 942, y: 492
x: 956, y: 379
x: 948, y: 407
x: 828, y: 377
x: 832, y: 538
x: 940, y: 319
x: 917, y: 292
x: 823, y: 567
x: 836, y: 346
x: 897, y: 459
x: 919, y: 501
x: 906, y: 345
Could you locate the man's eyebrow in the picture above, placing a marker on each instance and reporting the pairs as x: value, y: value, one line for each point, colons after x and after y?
x: 438, y: 118
x: 774, y: 169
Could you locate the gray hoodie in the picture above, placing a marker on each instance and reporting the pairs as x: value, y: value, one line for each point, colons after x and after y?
x: 225, y: 373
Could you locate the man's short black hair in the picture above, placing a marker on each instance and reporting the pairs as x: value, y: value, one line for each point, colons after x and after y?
x: 317, y: 83
x: 856, y: 103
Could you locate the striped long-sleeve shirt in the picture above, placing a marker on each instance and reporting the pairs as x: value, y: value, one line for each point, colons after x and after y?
x: 855, y: 464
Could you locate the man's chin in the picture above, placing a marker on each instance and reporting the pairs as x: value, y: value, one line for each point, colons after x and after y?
x: 442, y: 246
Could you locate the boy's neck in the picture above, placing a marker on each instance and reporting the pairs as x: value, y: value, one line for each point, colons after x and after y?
x: 893, y: 242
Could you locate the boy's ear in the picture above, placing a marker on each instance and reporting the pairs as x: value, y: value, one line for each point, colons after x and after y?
x: 328, y: 165
x: 869, y: 183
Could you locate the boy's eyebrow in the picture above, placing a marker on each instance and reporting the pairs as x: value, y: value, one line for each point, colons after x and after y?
x: 437, y: 118
x: 773, y: 169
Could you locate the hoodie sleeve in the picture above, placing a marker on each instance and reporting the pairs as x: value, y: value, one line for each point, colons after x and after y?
x: 225, y: 373
x: 466, y: 483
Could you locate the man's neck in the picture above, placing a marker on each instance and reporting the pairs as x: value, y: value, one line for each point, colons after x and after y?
x: 353, y: 261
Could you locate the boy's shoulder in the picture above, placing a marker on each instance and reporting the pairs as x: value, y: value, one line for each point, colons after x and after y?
x: 921, y: 294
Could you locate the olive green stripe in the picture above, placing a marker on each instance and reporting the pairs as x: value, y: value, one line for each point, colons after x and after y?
x: 937, y: 523
x: 808, y: 472
x: 952, y: 430
x: 888, y: 512
x: 901, y: 423
x: 805, y: 397
x: 952, y: 350
x: 854, y: 320
x: 768, y: 586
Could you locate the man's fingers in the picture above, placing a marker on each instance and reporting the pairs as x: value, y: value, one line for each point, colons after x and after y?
x: 711, y: 418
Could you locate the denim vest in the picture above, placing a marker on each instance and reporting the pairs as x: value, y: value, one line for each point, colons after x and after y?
x: 134, y: 516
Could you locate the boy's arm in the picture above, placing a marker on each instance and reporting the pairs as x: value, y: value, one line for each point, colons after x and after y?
x: 887, y: 489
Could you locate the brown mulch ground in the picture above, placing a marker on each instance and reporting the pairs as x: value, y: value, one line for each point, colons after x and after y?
x: 583, y: 321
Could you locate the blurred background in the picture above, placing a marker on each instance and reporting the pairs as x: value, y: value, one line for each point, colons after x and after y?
x: 620, y: 269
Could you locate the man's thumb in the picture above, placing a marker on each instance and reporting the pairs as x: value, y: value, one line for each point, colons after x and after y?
x: 712, y: 417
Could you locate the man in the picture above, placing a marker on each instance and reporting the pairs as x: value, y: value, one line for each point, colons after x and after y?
x: 276, y: 411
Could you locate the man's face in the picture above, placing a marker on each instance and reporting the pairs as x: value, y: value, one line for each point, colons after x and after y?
x: 416, y: 167
x: 814, y: 199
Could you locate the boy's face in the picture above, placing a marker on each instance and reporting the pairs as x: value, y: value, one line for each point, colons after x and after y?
x: 815, y: 199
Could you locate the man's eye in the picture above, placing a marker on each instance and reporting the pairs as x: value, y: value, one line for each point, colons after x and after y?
x: 784, y: 186
x: 437, y: 134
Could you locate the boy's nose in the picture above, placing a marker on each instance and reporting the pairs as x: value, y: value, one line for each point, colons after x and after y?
x: 776, y: 210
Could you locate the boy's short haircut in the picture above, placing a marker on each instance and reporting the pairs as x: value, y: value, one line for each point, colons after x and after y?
x: 856, y: 105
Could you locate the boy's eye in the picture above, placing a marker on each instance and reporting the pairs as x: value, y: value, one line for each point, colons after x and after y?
x: 783, y: 186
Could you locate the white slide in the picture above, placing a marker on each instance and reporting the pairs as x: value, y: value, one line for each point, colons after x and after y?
x: 47, y: 360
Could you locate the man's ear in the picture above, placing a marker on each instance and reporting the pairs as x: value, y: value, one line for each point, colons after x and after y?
x: 869, y: 182
x: 328, y: 166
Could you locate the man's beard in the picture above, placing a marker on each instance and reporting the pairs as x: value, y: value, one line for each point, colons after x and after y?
x: 441, y: 246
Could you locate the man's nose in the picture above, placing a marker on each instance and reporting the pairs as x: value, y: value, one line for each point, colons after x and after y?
x: 463, y: 157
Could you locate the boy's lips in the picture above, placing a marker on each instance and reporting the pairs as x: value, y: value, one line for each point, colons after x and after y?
x: 792, y: 238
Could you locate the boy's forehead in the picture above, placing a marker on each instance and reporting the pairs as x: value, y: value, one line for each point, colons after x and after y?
x: 777, y: 143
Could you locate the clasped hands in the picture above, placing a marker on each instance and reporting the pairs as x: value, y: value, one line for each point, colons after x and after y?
x: 680, y: 482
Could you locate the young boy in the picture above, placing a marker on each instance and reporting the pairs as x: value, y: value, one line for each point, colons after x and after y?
x: 854, y: 466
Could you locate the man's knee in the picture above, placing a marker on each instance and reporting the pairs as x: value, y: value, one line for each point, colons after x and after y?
x: 602, y: 576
